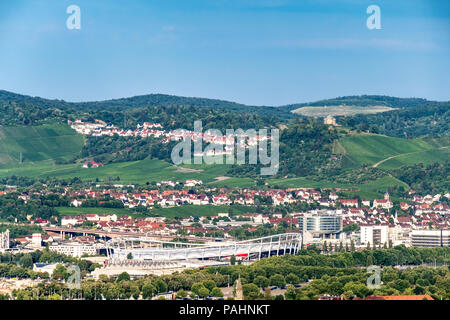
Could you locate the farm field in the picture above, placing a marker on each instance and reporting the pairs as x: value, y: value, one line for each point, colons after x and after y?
x: 37, y: 143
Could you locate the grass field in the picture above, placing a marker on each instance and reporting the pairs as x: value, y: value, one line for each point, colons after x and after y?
x: 38, y: 143
x: 138, y: 172
x: 370, y: 149
x: 234, y: 182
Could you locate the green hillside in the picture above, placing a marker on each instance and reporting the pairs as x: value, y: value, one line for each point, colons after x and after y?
x: 388, y: 152
x: 37, y: 143
x: 148, y: 100
x: 131, y: 172
x: 426, y: 157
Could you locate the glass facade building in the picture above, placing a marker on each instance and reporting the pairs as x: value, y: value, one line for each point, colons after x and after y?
x: 320, y: 223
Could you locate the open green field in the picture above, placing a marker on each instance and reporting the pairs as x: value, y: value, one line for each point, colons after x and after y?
x: 372, y: 149
x: 38, y: 143
x: 133, y: 172
x: 342, y: 110
x: 197, y: 211
x: 376, y: 189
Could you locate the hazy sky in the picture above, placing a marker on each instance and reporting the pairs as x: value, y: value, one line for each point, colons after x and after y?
x: 259, y: 52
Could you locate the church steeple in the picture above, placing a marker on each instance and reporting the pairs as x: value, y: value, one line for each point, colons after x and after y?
x: 239, y: 291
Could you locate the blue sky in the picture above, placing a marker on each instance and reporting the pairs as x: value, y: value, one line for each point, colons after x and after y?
x: 259, y: 52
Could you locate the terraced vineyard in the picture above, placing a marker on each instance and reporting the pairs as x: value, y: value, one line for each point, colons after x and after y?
x: 37, y: 144
x: 388, y: 152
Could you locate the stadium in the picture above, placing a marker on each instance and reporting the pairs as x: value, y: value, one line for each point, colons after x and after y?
x: 141, y: 250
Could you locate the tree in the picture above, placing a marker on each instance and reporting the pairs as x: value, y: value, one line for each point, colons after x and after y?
x: 203, y: 292
x: 195, y: 288
x: 26, y: 261
x: 261, y: 282
x: 250, y: 291
x: 59, y: 272
x: 277, y: 280
x: 161, y: 286
x: 292, y: 278
x: 124, y: 276
x: 135, y: 292
x: 209, y: 284
x: 182, y: 293
x: 290, y: 293
x: 419, y: 290
x: 216, y: 292
x: 357, y: 288
x: 369, y: 261
x: 148, y: 290
x: 112, y: 292
x: 129, y: 256
x: 233, y: 260
x: 54, y: 296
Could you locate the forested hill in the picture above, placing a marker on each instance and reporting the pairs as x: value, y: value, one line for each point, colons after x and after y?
x: 363, y: 101
x: 411, y: 117
x: 429, y: 119
x: 161, y: 100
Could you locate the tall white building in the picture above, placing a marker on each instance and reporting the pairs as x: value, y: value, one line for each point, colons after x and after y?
x: 36, y: 239
x: 4, y: 240
x: 374, y: 234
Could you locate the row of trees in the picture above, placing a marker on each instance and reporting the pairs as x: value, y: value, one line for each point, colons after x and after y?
x: 336, y: 274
